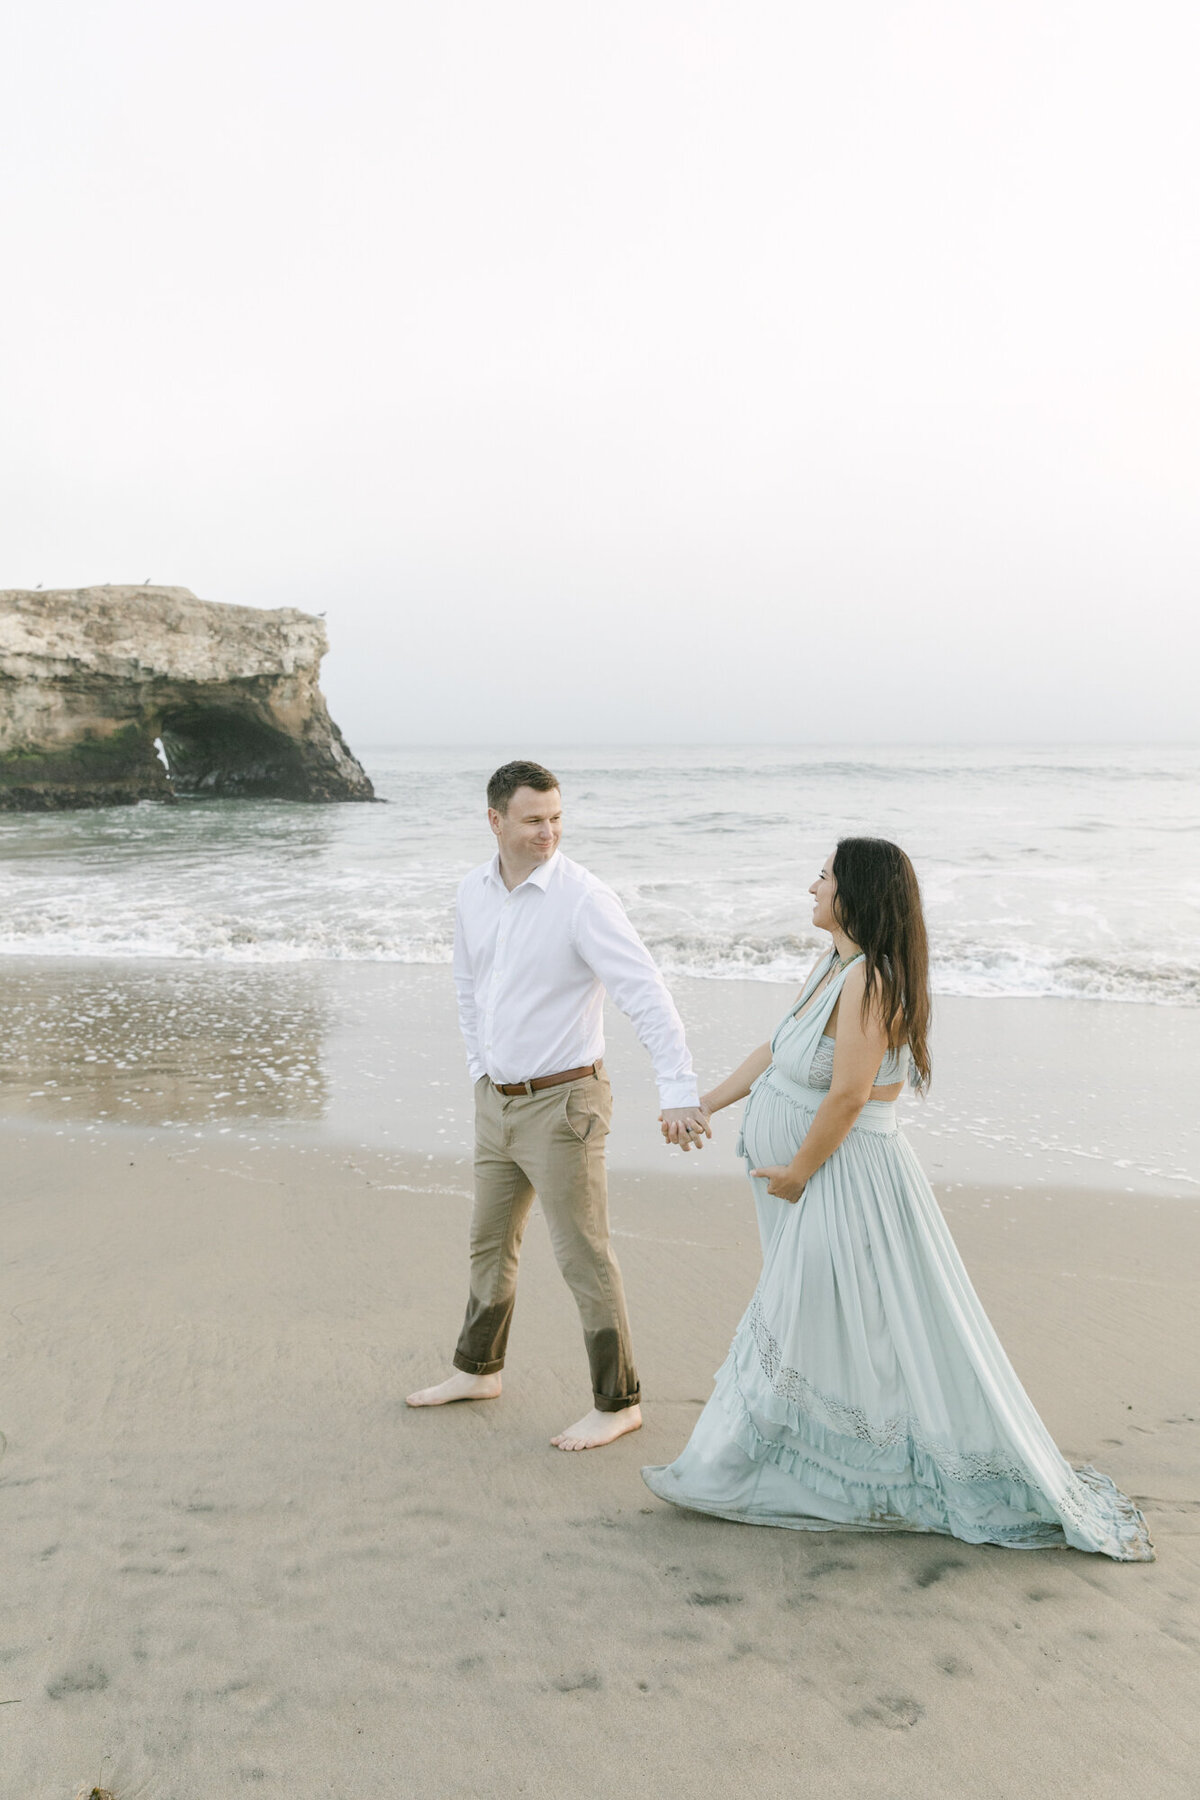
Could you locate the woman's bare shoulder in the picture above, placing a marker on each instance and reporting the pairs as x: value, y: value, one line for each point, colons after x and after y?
x: 853, y: 989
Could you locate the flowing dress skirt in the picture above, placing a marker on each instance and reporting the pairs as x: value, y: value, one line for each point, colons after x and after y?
x: 865, y: 1388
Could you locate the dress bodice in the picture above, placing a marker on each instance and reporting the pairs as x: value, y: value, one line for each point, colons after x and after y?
x: 801, y: 1050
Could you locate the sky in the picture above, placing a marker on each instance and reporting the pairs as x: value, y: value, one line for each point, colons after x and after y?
x: 660, y: 370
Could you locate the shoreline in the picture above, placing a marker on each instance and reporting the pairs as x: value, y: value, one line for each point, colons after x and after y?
x: 1041, y: 1094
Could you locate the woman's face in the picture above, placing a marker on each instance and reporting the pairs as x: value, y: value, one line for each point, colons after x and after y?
x: 824, y: 892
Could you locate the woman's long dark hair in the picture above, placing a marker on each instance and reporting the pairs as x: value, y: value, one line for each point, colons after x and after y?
x: 878, y: 906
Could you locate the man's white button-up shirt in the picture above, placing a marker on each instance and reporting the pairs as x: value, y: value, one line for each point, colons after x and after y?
x: 531, y: 967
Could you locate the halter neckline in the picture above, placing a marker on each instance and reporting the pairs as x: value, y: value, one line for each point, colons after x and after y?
x: 810, y: 1002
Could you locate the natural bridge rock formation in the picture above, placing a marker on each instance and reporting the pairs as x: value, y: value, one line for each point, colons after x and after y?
x: 90, y: 677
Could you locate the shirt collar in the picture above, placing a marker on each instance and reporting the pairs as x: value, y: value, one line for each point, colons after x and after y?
x: 540, y: 878
x: 544, y: 873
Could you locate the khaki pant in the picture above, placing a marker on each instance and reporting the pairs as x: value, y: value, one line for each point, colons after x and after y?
x: 551, y: 1141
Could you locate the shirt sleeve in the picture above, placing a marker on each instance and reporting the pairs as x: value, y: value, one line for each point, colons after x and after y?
x: 464, y: 985
x: 616, y: 954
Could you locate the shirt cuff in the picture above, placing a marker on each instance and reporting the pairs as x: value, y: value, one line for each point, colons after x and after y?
x: 678, y: 1093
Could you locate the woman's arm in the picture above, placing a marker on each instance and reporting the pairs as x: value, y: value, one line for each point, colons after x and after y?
x: 858, y: 1051
x: 734, y: 1087
x: 737, y: 1086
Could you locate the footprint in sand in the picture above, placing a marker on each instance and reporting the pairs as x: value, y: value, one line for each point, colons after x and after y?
x: 954, y: 1665
x: 934, y: 1571
x: 896, y: 1712
x: 86, y: 1678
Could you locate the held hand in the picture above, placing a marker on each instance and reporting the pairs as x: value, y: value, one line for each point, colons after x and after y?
x: 782, y: 1183
x: 685, y: 1125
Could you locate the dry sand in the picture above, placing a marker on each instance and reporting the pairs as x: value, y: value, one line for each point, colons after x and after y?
x: 233, y: 1562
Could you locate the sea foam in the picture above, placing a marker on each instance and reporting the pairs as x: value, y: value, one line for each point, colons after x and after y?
x: 1070, y: 872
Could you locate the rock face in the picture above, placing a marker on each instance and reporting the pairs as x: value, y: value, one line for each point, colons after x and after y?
x: 90, y: 677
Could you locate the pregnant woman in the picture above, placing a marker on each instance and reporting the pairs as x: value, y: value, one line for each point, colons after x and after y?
x: 865, y: 1389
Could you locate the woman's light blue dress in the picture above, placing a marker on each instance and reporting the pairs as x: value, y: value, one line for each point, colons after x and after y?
x: 865, y: 1388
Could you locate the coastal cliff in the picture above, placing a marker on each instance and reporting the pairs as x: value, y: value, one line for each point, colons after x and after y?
x: 90, y: 678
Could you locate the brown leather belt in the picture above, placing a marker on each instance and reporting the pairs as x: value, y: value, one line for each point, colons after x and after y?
x: 542, y: 1081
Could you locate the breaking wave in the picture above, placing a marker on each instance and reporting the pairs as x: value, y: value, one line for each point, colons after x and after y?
x: 1071, y: 871
x: 964, y: 967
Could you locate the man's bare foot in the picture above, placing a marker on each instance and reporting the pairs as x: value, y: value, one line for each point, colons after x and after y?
x: 459, y: 1386
x: 596, y: 1428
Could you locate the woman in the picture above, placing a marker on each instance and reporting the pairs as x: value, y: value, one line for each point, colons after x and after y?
x: 864, y: 1388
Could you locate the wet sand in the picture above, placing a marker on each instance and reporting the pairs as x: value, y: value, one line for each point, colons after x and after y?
x: 1037, y: 1093
x: 235, y: 1562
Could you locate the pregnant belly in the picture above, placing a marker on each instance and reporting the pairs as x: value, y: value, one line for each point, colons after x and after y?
x: 773, y: 1126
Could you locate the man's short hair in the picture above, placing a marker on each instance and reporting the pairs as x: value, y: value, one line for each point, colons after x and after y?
x: 514, y: 775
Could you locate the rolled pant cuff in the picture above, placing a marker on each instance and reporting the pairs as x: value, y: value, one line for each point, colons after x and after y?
x: 606, y: 1402
x: 481, y: 1368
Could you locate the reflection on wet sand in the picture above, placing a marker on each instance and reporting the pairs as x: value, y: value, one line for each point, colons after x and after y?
x: 1033, y: 1092
x: 162, y: 1043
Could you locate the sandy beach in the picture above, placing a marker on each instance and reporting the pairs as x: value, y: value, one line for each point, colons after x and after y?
x: 234, y: 1562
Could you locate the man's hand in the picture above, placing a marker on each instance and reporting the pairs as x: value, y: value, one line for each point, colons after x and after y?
x: 685, y: 1125
x: 782, y: 1183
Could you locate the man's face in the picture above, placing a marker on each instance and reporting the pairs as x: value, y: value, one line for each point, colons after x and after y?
x: 528, y: 832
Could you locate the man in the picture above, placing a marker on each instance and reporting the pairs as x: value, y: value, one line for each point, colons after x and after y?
x: 537, y: 942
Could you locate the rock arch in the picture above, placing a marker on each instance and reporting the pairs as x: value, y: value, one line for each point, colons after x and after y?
x: 91, y: 677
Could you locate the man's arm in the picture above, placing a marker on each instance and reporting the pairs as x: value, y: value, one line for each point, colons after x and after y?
x: 464, y: 985
x: 616, y: 954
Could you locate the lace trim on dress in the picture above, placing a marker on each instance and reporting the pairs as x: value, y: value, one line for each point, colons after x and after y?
x: 881, y: 1500
x: 820, y: 1070
x: 889, y: 1434
x: 1095, y: 1514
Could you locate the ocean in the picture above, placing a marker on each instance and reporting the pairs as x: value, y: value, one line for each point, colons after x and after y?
x: 1071, y: 871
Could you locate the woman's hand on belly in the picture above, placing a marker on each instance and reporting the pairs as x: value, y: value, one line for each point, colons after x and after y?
x: 784, y: 1184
